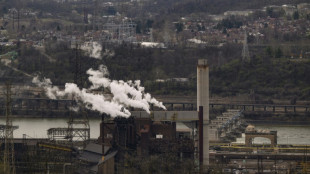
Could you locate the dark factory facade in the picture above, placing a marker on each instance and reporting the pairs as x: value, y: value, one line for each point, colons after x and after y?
x: 142, y: 137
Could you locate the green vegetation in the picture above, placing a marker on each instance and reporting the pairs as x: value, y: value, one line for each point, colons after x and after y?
x: 275, y: 78
x: 296, y: 15
x: 266, y: 77
x: 220, y: 6
x: 179, y: 27
x: 229, y: 23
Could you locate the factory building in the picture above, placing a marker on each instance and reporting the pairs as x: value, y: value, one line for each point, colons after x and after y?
x: 141, y: 135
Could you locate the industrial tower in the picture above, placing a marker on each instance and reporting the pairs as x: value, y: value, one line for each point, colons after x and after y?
x: 203, y: 105
x: 245, y: 50
x: 78, y: 129
x: 8, y: 159
x: 122, y: 32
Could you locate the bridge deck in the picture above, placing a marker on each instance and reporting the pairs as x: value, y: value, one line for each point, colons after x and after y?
x: 47, y: 107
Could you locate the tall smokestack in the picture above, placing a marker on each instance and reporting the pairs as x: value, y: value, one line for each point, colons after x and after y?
x: 200, y: 113
x: 203, y: 100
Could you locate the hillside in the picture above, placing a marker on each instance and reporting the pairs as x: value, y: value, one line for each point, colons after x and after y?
x: 264, y: 76
x: 261, y: 79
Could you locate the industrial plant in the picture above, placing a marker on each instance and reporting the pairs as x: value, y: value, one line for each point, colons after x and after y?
x: 184, y: 132
x: 154, y: 87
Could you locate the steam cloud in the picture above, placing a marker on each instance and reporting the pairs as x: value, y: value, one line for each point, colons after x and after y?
x: 93, y: 49
x: 125, y: 94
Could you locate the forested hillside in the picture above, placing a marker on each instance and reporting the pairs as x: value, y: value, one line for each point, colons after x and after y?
x: 264, y: 75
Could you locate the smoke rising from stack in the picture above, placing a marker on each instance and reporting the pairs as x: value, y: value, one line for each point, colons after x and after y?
x: 125, y: 94
x: 46, y: 84
x: 93, y: 49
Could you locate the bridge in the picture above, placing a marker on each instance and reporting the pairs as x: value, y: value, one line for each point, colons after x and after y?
x: 245, y: 107
x: 48, y: 108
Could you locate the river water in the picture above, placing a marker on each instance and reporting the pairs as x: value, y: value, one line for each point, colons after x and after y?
x: 37, y: 128
x: 296, y: 134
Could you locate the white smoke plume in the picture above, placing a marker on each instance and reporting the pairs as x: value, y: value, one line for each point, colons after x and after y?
x: 128, y: 93
x: 93, y: 49
x: 47, y: 85
x: 125, y: 94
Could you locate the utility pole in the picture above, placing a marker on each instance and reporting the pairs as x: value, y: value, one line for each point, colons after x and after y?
x: 8, y: 159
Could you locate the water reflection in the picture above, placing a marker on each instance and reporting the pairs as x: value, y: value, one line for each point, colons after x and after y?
x: 37, y: 127
x: 286, y: 134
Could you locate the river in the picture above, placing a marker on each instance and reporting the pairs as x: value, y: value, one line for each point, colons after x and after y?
x: 295, y: 134
x: 37, y: 127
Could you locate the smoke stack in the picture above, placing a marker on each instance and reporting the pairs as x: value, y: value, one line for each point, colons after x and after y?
x: 200, y: 113
x: 203, y: 100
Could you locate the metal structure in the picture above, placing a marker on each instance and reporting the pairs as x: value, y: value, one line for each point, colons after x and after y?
x: 9, y: 159
x: 47, y: 107
x: 245, y: 50
x: 228, y: 126
x: 119, y: 33
x: 81, y: 134
x: 2, y: 131
x: 78, y: 129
